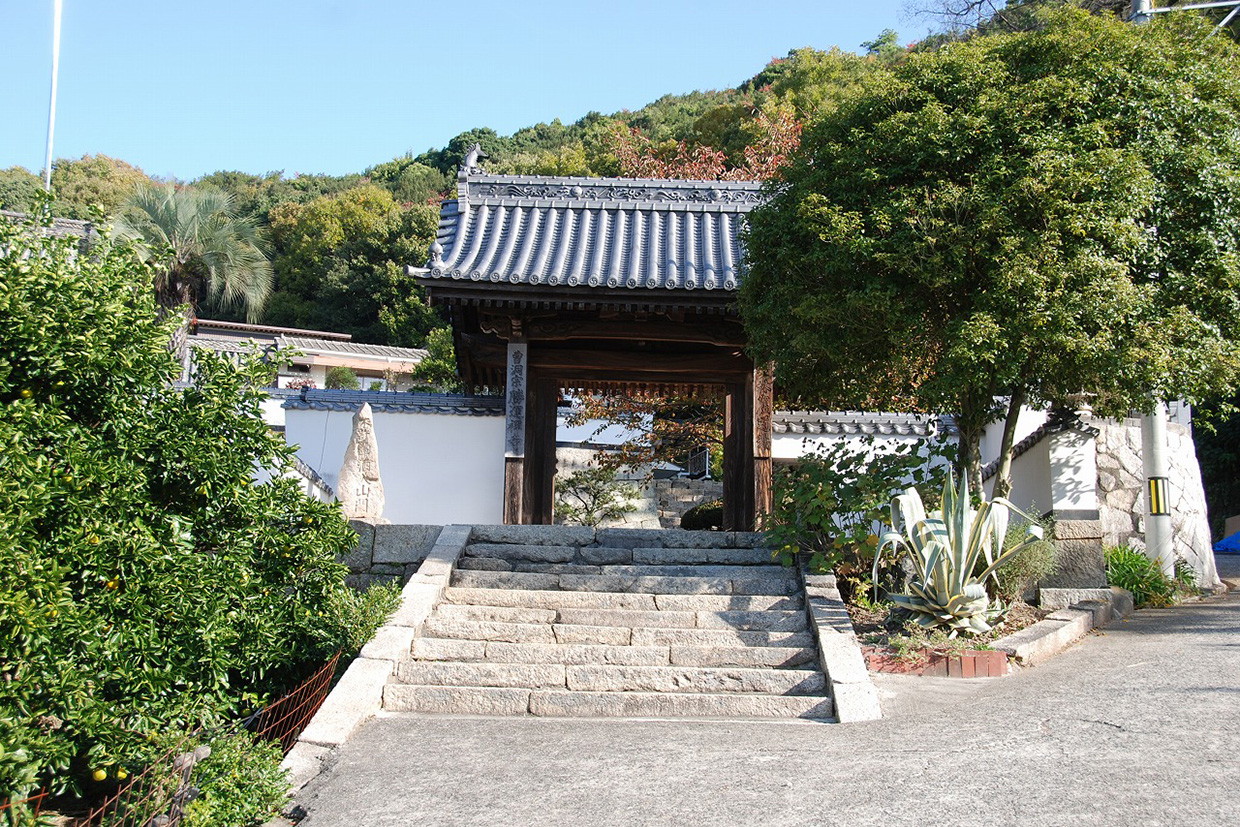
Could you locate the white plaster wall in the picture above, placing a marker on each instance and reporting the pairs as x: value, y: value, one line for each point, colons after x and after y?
x: 594, y: 431
x: 788, y: 447
x: 273, y: 411
x: 1073, y: 471
x: 992, y: 437
x: 1031, y: 480
x: 436, y: 468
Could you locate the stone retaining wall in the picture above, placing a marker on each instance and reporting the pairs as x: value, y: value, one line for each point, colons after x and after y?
x: 387, y: 552
x: 679, y: 494
x: 1121, y: 492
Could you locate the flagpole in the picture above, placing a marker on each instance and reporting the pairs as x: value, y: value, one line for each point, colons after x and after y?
x: 51, y: 109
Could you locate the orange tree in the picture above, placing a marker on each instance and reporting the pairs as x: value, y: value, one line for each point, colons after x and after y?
x: 147, y: 582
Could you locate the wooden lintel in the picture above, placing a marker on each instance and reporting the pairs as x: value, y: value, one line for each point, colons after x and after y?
x: 721, y: 332
x: 632, y: 363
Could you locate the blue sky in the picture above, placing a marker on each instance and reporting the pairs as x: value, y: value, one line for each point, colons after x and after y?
x: 182, y: 88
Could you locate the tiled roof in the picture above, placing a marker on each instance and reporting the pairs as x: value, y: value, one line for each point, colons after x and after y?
x: 84, y: 231
x: 223, y: 344
x: 1061, y: 419
x: 853, y: 423
x: 385, y: 402
x: 593, y: 232
x: 407, y: 354
x: 208, y: 326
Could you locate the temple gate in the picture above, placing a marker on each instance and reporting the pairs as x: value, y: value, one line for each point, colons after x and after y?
x: 618, y: 285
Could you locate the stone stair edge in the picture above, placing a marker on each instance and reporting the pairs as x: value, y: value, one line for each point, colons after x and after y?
x: 614, y: 537
x: 566, y: 703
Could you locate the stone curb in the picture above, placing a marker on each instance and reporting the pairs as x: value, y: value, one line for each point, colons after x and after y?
x: 840, y: 657
x: 1060, y: 629
x: 359, y: 692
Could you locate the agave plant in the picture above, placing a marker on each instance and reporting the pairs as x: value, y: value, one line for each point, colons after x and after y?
x: 946, y: 547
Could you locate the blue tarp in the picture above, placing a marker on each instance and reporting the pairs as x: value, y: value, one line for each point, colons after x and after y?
x: 1228, y: 545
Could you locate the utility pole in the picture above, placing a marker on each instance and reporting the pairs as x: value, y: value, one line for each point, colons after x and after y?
x: 51, y: 107
x: 1159, y: 533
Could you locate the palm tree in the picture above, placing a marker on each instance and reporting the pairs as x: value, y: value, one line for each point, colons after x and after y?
x: 199, y: 246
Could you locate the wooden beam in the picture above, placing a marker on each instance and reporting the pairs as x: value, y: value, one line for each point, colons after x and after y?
x: 721, y: 332
x: 727, y: 362
x: 539, y: 480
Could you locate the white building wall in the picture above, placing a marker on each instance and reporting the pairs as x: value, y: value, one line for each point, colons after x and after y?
x: 436, y: 468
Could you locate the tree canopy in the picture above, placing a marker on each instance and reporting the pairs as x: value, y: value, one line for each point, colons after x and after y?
x: 340, y: 263
x: 1028, y: 215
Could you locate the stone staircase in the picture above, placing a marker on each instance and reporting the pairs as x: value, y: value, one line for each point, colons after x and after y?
x: 615, y: 626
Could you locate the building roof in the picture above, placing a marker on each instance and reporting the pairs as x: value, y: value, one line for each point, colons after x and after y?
x: 387, y: 402
x: 856, y: 423
x: 211, y: 325
x: 83, y: 231
x: 306, y: 343
x: 606, y: 233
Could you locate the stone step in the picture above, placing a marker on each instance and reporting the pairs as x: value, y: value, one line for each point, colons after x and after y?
x: 774, y: 621
x: 759, y: 584
x: 719, y: 637
x: 692, y: 679
x: 629, y: 618
x: 578, y: 654
x: 478, y: 630
x: 541, y: 599
x: 557, y: 599
x: 705, y: 570
x: 524, y: 675
x: 727, y: 602
x: 571, y: 654
x: 494, y: 614
x: 690, y: 556
x: 441, y: 648
x: 552, y: 703
x: 499, y: 564
x: 774, y: 657
x: 613, y: 678
x: 560, y: 703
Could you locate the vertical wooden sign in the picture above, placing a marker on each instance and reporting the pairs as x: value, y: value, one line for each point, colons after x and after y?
x: 514, y: 431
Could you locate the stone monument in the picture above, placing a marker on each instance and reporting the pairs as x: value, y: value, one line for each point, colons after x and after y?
x: 360, y: 490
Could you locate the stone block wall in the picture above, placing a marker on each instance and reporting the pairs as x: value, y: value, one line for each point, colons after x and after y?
x: 387, y: 552
x: 679, y: 494
x: 1121, y: 492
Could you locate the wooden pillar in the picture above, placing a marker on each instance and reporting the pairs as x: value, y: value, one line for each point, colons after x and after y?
x: 763, y: 416
x: 515, y: 432
x: 538, y: 485
x: 738, y: 455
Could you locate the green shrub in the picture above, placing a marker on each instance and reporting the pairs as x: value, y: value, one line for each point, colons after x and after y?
x: 147, y: 584
x: 341, y: 378
x: 703, y: 517
x: 1131, y: 569
x: 1033, y: 563
x: 831, y: 504
x: 240, y: 784
x: 360, y: 614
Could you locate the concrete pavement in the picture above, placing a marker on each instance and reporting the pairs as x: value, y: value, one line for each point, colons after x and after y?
x: 1139, y: 724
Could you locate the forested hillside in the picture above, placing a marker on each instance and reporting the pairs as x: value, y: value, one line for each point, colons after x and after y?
x: 339, y: 244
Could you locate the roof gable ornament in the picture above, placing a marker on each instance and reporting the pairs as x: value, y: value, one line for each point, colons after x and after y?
x: 472, y: 160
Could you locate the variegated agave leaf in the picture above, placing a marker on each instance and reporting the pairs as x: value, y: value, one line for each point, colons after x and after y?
x: 945, y: 548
